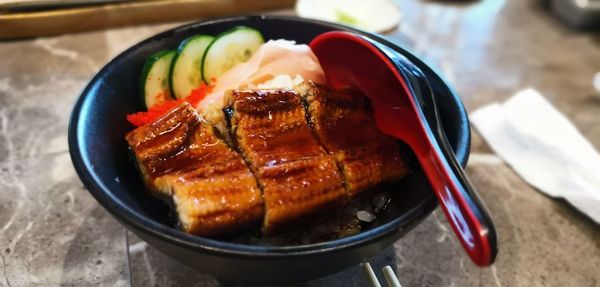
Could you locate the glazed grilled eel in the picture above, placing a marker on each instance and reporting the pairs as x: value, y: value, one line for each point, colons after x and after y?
x: 301, y: 169
x: 211, y: 187
x: 343, y: 122
x: 297, y: 176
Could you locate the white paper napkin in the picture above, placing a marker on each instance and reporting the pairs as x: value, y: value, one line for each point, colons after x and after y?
x: 544, y: 148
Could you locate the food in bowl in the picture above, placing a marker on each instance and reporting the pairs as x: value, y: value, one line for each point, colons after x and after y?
x: 100, y: 156
x: 249, y: 135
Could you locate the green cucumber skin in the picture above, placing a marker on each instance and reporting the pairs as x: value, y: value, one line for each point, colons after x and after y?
x: 156, y: 56
x: 146, y: 69
x: 180, y: 49
x: 232, y: 30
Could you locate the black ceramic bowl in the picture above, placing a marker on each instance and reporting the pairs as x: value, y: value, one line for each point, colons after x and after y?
x: 100, y: 155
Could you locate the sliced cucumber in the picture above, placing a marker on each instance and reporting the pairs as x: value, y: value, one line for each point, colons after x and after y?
x: 154, y: 80
x: 228, y: 49
x: 186, y: 72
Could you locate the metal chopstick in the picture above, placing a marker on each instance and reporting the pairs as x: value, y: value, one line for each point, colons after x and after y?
x: 388, y: 273
x: 370, y: 274
x: 390, y: 277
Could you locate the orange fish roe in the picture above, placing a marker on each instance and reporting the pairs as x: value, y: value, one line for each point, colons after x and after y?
x: 141, y: 118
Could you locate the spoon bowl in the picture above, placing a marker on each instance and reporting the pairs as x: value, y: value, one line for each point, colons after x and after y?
x: 404, y: 107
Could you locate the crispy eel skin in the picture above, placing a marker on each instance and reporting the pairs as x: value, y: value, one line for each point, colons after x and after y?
x: 343, y: 122
x: 298, y: 178
x: 212, y: 188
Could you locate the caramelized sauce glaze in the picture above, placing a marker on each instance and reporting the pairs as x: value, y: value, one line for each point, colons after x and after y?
x: 296, y: 174
x: 213, y: 190
x: 343, y: 122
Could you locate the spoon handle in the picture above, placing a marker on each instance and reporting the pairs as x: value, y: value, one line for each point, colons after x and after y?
x: 457, y: 197
x: 459, y: 201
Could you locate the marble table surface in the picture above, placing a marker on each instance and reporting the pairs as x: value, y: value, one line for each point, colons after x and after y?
x: 52, y: 232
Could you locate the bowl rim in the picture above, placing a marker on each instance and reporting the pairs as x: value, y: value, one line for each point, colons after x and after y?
x: 139, y: 222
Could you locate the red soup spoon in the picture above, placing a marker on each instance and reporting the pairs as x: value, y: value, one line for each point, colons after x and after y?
x: 404, y: 108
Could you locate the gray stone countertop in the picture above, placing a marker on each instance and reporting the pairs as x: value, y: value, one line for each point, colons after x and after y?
x: 52, y: 232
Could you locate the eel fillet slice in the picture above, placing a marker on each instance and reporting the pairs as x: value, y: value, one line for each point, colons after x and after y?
x: 298, y: 178
x: 212, y: 188
x: 343, y: 122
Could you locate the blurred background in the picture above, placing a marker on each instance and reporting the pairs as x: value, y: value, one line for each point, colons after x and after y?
x: 52, y: 232
x: 53, y: 17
